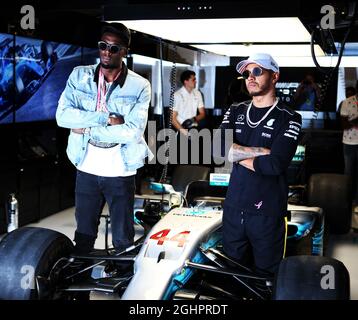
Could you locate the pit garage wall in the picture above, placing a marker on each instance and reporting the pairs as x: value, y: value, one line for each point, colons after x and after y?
x: 158, y: 72
x: 43, y: 183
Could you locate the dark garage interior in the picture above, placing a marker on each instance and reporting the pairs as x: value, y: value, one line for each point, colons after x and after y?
x: 36, y: 63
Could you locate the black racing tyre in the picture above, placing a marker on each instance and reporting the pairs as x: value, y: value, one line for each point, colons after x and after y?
x: 311, y: 278
x: 25, y: 254
x: 332, y: 193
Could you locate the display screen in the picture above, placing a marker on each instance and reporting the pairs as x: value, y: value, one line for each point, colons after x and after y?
x: 42, y: 69
x: 219, y: 179
x: 306, y: 89
x: 286, y: 91
x: 6, y: 78
x: 33, y: 74
x: 90, y: 56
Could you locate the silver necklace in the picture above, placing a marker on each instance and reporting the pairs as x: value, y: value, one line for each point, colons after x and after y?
x: 256, y: 124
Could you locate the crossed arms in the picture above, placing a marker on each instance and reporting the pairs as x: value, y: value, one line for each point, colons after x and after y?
x: 103, y: 126
x: 112, y: 121
x: 245, y: 155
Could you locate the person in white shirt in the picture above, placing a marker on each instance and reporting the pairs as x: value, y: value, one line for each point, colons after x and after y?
x: 349, y: 118
x: 188, y: 104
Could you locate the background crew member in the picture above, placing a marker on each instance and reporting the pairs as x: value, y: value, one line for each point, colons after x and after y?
x: 266, y: 134
x: 188, y: 104
x: 349, y: 119
x: 106, y: 108
x: 308, y: 95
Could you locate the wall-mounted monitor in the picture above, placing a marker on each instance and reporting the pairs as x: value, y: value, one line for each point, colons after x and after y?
x: 6, y: 78
x: 291, y: 89
x: 307, y: 89
x: 89, y: 56
x: 42, y: 69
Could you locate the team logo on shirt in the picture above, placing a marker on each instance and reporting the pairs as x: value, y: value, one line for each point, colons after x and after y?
x: 258, y: 205
x: 293, y: 130
x: 226, y: 117
x: 266, y: 135
x: 240, y: 119
x: 269, y: 124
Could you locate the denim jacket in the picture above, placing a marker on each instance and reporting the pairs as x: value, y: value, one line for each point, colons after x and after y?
x: 128, y: 96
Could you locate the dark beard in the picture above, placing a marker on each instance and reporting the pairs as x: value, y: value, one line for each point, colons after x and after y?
x: 108, y: 66
x: 254, y: 94
x: 263, y: 90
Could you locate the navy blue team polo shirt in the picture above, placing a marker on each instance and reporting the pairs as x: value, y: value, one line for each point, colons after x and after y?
x: 265, y: 190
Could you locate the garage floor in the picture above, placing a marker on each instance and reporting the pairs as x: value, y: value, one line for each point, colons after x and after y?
x: 341, y: 247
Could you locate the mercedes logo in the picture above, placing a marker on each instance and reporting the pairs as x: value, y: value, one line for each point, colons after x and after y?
x: 240, y: 117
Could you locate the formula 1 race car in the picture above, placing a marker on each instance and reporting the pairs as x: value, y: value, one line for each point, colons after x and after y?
x: 180, y: 257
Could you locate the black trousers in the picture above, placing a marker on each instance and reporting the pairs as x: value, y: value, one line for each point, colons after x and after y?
x: 259, y: 236
x: 91, y: 194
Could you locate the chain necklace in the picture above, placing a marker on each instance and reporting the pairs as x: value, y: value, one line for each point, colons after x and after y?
x: 256, y: 124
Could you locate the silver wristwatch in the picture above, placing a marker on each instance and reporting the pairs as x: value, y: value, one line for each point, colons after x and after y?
x: 86, y: 131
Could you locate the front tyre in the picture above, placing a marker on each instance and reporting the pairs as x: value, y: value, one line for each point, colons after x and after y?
x: 311, y: 278
x: 27, y: 255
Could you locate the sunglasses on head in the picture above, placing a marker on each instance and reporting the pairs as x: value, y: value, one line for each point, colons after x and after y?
x: 112, y: 48
x: 255, y: 72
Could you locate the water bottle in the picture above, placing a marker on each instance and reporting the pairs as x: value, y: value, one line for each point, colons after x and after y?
x: 13, y: 213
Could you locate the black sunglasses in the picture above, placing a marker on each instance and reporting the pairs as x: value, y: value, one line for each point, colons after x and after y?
x: 255, y: 72
x: 112, y: 48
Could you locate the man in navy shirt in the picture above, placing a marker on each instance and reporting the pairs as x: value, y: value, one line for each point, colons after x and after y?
x: 266, y: 134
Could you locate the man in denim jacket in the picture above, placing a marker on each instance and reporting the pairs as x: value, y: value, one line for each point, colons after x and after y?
x: 106, y: 108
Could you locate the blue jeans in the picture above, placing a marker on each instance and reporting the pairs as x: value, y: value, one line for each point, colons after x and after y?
x: 351, y: 167
x: 91, y: 194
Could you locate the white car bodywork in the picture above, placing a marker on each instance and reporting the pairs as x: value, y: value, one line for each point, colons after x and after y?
x: 174, y: 240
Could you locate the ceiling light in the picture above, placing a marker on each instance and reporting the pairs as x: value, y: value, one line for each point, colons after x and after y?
x: 225, y: 30
x: 327, y: 61
x: 143, y: 60
x: 289, y: 50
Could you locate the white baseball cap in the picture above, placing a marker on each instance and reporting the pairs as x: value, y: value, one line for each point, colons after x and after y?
x: 264, y: 60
